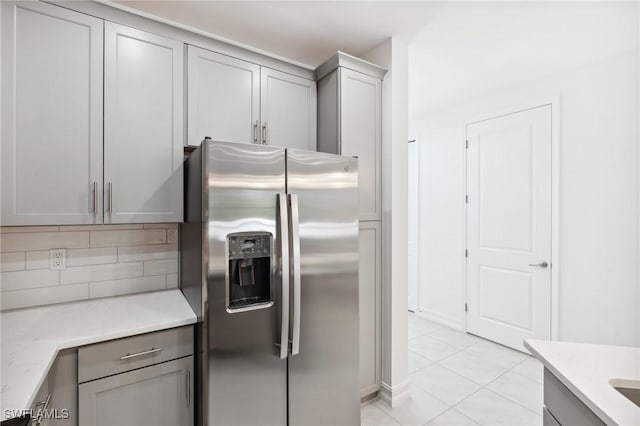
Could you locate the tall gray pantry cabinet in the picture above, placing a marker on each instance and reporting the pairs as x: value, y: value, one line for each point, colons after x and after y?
x: 350, y: 123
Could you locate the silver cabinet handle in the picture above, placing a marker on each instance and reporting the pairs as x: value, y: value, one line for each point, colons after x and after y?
x: 284, y: 274
x: 45, y: 405
x: 95, y: 198
x: 294, y: 224
x: 542, y: 264
x: 150, y: 351
x: 188, y: 388
x: 264, y: 133
x: 255, y: 132
x: 110, y: 198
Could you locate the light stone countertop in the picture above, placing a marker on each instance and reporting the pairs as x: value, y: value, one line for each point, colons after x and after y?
x: 31, y: 338
x: 586, y: 369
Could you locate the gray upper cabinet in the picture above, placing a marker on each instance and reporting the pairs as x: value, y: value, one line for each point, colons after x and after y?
x: 288, y: 110
x: 223, y: 98
x: 232, y: 100
x: 51, y: 115
x: 143, y: 126
x: 350, y: 123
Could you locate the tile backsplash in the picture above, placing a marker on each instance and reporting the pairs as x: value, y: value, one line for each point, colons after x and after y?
x: 101, y: 261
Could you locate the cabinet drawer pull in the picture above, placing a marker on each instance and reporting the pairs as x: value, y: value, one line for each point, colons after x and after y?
x: 150, y: 351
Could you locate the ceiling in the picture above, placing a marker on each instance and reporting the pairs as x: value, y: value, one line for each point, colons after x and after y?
x: 469, y: 49
x: 307, y: 32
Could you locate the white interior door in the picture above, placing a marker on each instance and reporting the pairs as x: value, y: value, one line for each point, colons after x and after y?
x: 413, y: 226
x: 509, y: 227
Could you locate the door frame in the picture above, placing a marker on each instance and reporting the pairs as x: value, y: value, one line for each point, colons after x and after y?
x: 415, y: 140
x: 554, y: 102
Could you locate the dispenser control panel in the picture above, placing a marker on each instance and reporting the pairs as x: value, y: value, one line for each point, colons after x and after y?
x: 249, y: 246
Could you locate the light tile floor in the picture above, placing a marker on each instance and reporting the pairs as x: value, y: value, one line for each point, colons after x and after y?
x: 460, y: 379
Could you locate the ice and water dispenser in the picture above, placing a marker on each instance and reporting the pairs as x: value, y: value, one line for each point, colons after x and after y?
x: 249, y: 271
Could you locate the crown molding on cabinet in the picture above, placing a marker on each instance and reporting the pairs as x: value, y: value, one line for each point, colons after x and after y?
x: 127, y: 16
x: 341, y: 59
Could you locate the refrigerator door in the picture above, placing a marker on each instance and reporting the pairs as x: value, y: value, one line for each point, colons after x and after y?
x: 246, y: 379
x: 323, y: 365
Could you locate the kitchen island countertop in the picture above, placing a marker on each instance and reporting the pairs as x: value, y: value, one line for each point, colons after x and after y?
x: 585, y: 369
x: 31, y: 338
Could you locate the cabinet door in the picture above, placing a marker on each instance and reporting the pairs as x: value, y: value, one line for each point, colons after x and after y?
x: 360, y: 135
x: 51, y: 115
x: 223, y: 98
x: 288, y: 110
x: 56, y: 403
x: 143, y: 146
x: 160, y: 395
x: 369, y: 294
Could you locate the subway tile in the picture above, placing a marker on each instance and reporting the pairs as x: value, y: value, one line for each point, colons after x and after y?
x: 126, y: 286
x: 14, y: 229
x: 43, y: 241
x: 172, y: 236
x: 101, y: 272
x: 28, y: 279
x: 44, y: 296
x: 128, y: 237
x: 92, y: 256
x: 12, y: 261
x: 172, y: 280
x: 157, y: 267
x: 148, y: 252
x: 38, y: 259
x: 160, y: 226
x: 99, y: 227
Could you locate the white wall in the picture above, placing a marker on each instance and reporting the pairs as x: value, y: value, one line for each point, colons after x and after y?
x: 393, y: 55
x: 599, y: 193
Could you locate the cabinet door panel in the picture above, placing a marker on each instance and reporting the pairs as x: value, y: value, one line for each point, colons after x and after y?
x: 360, y: 134
x: 223, y: 96
x: 51, y: 115
x: 143, y: 126
x: 152, y: 396
x: 288, y: 110
x: 369, y: 295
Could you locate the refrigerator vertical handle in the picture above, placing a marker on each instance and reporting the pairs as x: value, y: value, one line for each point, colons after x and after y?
x: 284, y: 259
x: 295, y: 260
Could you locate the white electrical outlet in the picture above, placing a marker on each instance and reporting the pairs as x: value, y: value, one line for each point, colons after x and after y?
x: 58, y: 259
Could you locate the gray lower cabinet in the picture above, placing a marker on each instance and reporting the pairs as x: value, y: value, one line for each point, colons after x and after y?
x: 562, y: 407
x: 140, y: 380
x: 161, y: 394
x: 369, y: 296
x: 56, y: 403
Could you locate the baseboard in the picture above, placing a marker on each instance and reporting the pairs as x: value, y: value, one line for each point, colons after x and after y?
x: 395, y: 395
x: 447, y: 320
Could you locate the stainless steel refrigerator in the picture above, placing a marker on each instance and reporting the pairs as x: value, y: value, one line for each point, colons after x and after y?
x: 269, y: 263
